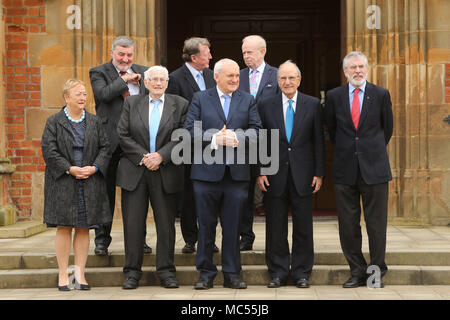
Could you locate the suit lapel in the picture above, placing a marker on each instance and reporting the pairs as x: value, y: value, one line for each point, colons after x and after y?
x: 346, y: 105
x: 234, y: 104
x: 168, y: 110
x: 209, y: 79
x: 366, y: 104
x: 215, y: 101
x: 141, y: 81
x: 112, y: 72
x: 279, y: 117
x: 144, y: 112
x: 265, y: 77
x: 190, y: 79
x: 245, y: 81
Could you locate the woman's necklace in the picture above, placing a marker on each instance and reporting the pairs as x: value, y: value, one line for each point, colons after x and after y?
x: 70, y: 118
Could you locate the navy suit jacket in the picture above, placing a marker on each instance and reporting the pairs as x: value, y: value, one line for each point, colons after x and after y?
x: 243, y: 114
x: 268, y: 85
x: 305, y: 153
x: 182, y: 83
x: 364, y: 148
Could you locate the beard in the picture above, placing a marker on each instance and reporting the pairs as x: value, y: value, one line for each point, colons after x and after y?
x: 357, y: 82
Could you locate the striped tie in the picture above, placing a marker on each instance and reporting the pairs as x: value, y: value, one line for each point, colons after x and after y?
x: 253, y: 83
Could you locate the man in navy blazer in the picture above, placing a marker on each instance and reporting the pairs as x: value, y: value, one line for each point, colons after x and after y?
x: 360, y: 122
x: 193, y: 76
x: 260, y: 80
x: 220, y: 188
x: 298, y: 118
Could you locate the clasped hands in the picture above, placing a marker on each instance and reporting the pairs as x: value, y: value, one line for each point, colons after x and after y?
x: 82, y: 172
x: 226, y: 137
x: 152, y: 161
x: 132, y: 78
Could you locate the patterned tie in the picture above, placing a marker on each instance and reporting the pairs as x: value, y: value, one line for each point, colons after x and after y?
x: 154, y: 125
x: 355, y: 108
x: 126, y: 93
x: 253, y: 83
x: 201, y: 81
x: 226, y: 105
x: 289, y: 120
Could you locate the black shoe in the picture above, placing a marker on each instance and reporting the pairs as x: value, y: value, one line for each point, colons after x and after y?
x: 234, y: 283
x: 245, y: 246
x: 101, y: 251
x: 203, y: 284
x: 169, y: 283
x: 216, y: 249
x: 79, y: 286
x: 354, y: 282
x: 276, y: 283
x: 63, y: 288
x: 302, y: 283
x: 130, y: 283
x: 188, y: 248
x: 147, y: 249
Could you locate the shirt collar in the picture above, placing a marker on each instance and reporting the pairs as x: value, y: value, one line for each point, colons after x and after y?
x: 286, y: 99
x: 161, y: 98
x: 193, y: 71
x: 260, y: 68
x: 220, y: 93
x: 351, y: 88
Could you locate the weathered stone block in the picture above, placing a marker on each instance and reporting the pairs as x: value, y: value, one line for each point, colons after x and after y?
x: 7, y: 215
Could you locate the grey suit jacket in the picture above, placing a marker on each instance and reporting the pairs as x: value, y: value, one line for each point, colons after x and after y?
x: 108, y: 90
x: 134, y: 137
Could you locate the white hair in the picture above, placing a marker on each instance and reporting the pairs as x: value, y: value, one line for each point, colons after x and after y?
x: 219, y: 65
x: 156, y: 68
x: 354, y: 54
x: 299, y: 73
x: 261, y: 43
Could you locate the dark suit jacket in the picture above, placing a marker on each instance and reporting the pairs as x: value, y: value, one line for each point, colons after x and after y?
x: 61, y: 189
x: 305, y: 153
x: 108, y: 89
x: 365, y: 148
x: 133, y: 131
x: 268, y: 85
x: 182, y: 83
x: 243, y: 114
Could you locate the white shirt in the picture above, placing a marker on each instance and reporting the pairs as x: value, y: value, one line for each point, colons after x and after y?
x: 132, y: 88
x: 286, y: 104
x: 214, y: 144
x: 151, y: 105
x: 258, y: 74
x: 194, y: 71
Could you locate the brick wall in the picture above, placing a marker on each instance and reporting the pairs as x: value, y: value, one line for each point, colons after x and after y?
x: 23, y: 89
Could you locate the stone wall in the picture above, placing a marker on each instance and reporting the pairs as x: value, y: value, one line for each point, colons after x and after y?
x: 408, y: 46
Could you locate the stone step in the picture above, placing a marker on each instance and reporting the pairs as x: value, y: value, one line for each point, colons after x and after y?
x: 39, y: 260
x: 253, y: 275
x: 22, y: 229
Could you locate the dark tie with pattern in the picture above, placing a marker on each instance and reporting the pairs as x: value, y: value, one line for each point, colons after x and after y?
x: 126, y: 93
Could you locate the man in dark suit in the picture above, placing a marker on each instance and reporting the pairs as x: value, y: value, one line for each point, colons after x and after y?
x: 360, y: 123
x: 298, y: 119
x: 220, y: 188
x: 111, y: 83
x: 260, y: 80
x: 146, y: 172
x: 193, y: 76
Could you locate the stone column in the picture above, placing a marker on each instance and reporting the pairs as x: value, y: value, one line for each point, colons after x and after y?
x: 407, y: 43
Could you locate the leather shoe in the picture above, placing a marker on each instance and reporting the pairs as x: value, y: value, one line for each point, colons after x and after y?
x: 101, y: 251
x: 64, y: 288
x: 169, y: 283
x: 147, y: 249
x: 302, y: 283
x: 354, y: 282
x: 245, y: 246
x: 203, y: 284
x: 216, y: 249
x: 188, y: 248
x: 234, y: 283
x: 276, y: 283
x: 130, y: 283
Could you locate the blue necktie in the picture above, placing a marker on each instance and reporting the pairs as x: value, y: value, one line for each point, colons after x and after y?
x: 154, y: 125
x: 201, y: 81
x: 226, y: 105
x: 289, y: 120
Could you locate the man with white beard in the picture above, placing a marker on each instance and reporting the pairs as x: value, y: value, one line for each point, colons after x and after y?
x: 360, y: 124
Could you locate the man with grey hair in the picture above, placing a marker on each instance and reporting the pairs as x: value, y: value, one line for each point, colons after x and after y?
x: 220, y: 189
x: 360, y: 123
x: 298, y: 119
x: 146, y: 172
x: 111, y: 83
x: 193, y: 76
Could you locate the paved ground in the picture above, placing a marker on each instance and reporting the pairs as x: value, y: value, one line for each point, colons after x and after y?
x: 326, y: 238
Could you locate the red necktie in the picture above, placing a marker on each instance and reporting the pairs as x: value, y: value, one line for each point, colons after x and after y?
x: 355, y: 108
x: 126, y: 93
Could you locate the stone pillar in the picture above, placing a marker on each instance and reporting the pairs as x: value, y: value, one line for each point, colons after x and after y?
x: 407, y: 43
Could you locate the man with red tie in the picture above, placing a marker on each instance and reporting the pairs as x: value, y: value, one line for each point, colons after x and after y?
x: 111, y: 83
x: 360, y: 123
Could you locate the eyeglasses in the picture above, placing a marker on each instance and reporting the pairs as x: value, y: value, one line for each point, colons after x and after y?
x: 158, y: 79
x: 283, y: 79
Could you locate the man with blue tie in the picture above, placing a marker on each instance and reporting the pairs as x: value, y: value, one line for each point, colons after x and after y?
x: 260, y: 80
x: 298, y: 119
x: 193, y: 76
x: 360, y: 122
x: 146, y: 172
x: 220, y: 188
